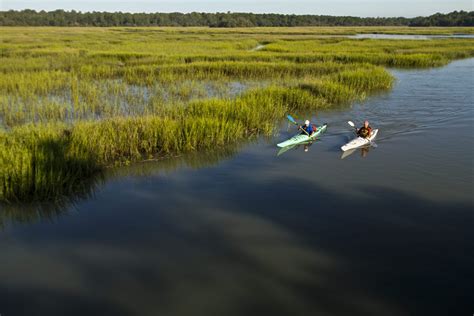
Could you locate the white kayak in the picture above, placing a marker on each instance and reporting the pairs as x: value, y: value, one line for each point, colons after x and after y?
x: 360, y: 141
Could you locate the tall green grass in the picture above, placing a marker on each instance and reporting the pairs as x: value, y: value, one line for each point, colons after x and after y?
x: 75, y: 101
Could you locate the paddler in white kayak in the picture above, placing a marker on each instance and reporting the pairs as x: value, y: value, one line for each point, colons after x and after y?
x: 365, y: 131
x: 365, y: 136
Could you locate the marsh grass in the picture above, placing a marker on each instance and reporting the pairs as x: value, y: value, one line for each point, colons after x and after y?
x: 75, y: 101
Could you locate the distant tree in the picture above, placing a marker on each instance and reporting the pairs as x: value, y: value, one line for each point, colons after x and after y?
x: 455, y: 18
x: 73, y: 18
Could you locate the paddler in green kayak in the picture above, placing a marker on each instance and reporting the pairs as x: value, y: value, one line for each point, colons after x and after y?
x: 365, y: 131
x: 308, y: 128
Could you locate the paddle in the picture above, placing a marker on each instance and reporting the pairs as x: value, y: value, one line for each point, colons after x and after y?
x: 353, y: 126
x: 292, y: 120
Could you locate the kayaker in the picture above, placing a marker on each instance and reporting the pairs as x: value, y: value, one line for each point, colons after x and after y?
x: 365, y: 131
x: 308, y: 128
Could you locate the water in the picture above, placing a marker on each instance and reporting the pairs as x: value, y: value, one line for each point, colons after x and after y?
x: 411, y: 36
x: 247, y: 232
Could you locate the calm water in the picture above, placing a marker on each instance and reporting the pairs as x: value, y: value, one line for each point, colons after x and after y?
x: 247, y: 232
x: 411, y: 36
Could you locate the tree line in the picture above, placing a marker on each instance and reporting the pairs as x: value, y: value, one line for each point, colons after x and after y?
x: 77, y: 18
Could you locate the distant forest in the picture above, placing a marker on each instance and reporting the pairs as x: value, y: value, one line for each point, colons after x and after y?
x: 74, y: 18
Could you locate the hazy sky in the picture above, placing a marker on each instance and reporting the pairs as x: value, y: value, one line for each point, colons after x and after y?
x: 407, y: 8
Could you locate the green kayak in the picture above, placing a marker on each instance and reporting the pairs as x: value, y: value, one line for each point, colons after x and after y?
x: 301, y: 138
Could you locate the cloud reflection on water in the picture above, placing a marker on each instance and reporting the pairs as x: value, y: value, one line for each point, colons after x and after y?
x: 214, y: 260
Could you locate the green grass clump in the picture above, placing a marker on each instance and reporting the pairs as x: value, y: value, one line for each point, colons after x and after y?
x: 35, y: 162
x: 365, y: 80
x: 330, y: 91
x: 74, y: 101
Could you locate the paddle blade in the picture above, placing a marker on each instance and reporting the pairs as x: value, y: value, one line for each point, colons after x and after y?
x: 351, y: 123
x: 291, y: 119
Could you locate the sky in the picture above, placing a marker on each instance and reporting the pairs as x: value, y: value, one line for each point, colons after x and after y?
x: 363, y: 8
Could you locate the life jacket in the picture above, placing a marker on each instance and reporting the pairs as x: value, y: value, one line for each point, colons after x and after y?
x: 309, y: 129
x: 364, y: 131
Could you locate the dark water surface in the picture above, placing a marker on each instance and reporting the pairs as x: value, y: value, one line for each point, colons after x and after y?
x: 384, y: 232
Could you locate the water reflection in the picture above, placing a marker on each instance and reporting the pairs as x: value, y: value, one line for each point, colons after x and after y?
x: 193, y: 160
x: 35, y: 211
x: 208, y: 253
x: 304, y: 146
x: 86, y: 189
x: 364, y: 151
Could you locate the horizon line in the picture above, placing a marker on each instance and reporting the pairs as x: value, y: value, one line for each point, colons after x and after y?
x: 227, y: 12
